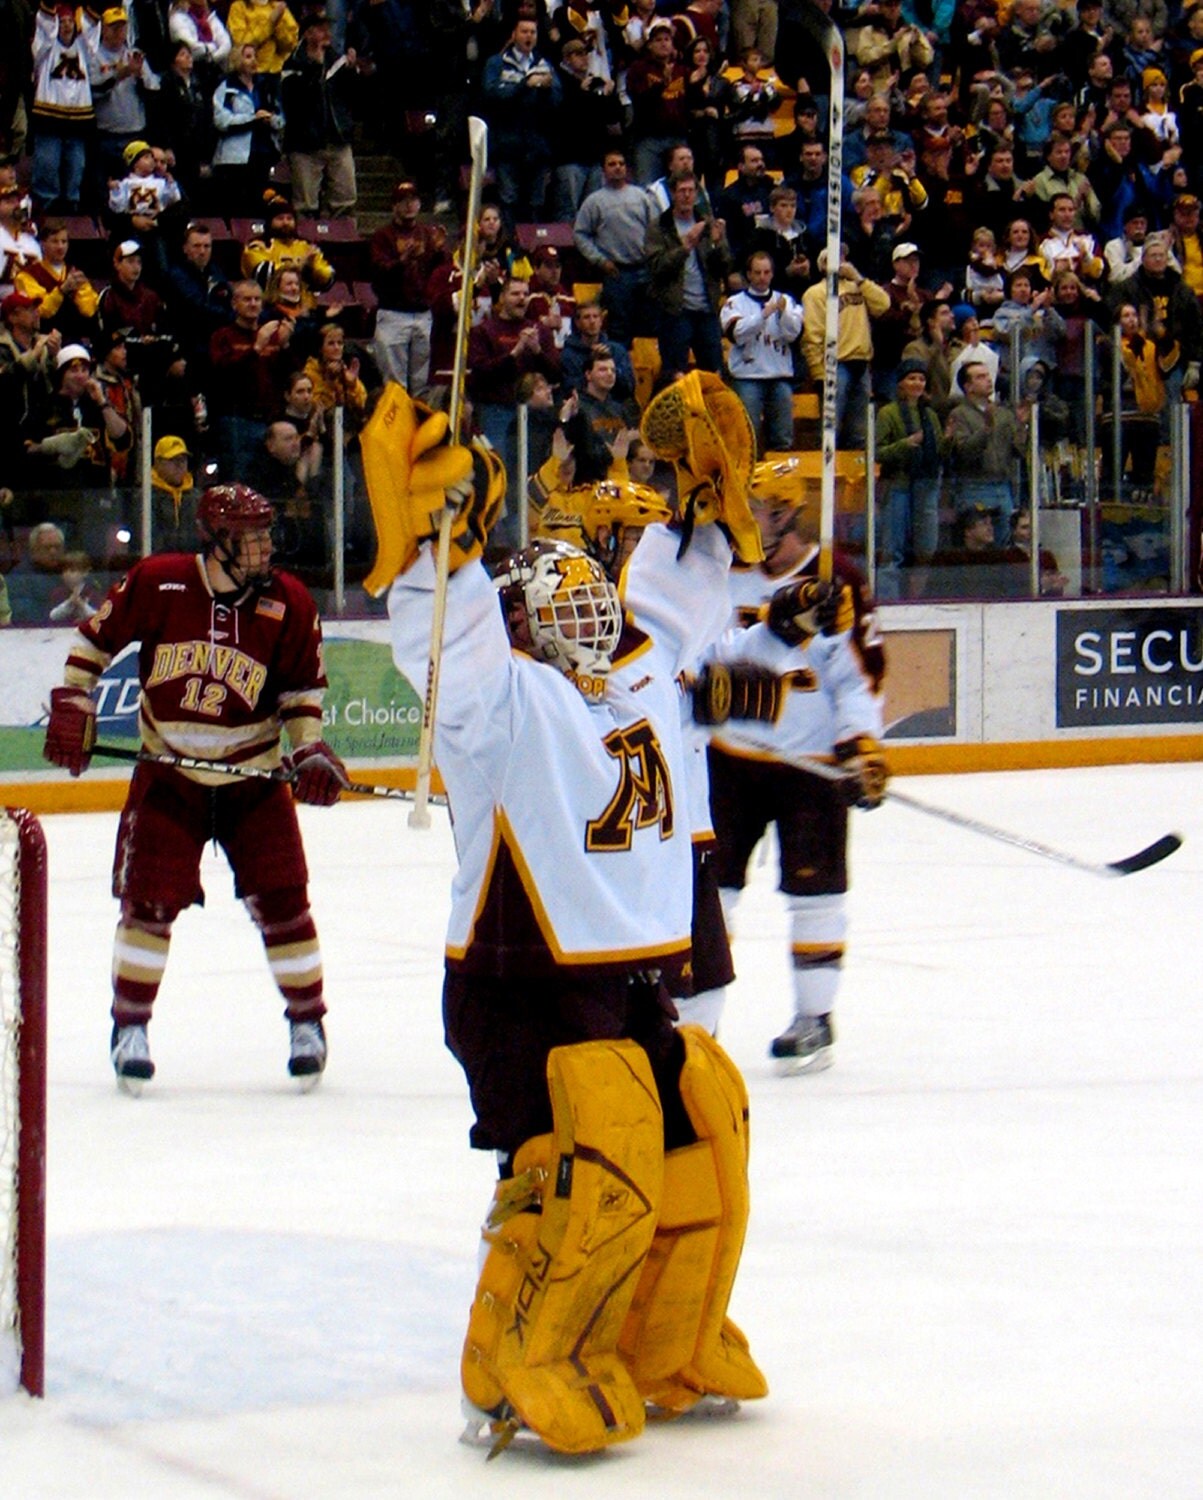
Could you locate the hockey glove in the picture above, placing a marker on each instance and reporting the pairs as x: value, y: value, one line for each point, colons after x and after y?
x: 866, y: 773
x: 412, y: 472
x: 808, y: 606
x: 71, y: 730
x: 701, y: 425
x: 318, y: 776
x: 738, y: 691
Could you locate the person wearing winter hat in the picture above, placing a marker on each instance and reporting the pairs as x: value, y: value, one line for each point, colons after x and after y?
x: 910, y: 451
x: 69, y: 445
x: 968, y: 344
x: 280, y: 245
x: 137, y: 200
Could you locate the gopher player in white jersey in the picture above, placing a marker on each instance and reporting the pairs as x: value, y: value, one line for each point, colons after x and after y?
x: 606, y: 520
x: 821, y: 641
x: 616, y: 1229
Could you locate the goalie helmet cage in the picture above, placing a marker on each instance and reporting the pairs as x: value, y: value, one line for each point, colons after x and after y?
x: 22, y: 1100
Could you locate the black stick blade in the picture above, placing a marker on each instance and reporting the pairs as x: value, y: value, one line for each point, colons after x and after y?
x: 1160, y: 849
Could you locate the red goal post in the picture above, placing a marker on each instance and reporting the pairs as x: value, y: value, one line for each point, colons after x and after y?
x: 22, y: 1099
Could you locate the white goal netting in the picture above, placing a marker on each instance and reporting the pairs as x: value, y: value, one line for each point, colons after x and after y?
x: 10, y: 1024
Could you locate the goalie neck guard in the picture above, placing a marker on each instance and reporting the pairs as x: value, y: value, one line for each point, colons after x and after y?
x: 560, y: 606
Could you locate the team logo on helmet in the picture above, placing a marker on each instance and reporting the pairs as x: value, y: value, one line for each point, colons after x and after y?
x: 571, y: 610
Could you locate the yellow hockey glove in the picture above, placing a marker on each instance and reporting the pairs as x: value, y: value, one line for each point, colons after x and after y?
x: 866, y: 769
x: 701, y: 425
x: 412, y: 472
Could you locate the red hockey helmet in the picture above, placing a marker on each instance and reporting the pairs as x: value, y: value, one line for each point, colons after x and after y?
x: 225, y: 514
x: 227, y: 510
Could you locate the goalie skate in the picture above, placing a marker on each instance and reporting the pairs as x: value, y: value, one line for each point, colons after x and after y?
x: 805, y: 1046
x: 706, y: 1408
x: 497, y: 1431
x: 306, y: 1052
x: 129, y: 1050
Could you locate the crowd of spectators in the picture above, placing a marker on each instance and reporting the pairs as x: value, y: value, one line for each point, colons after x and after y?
x: 1031, y: 166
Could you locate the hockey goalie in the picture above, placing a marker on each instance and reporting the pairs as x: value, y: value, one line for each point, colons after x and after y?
x: 615, y: 1232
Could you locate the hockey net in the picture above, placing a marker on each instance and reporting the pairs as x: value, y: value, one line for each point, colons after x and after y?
x: 22, y: 1099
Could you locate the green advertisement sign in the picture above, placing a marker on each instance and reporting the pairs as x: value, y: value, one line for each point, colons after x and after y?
x: 370, y: 711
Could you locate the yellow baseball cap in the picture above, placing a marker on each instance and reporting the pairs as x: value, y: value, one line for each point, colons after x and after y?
x: 171, y: 447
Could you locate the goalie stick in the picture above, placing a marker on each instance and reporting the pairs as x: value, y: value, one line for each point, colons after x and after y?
x: 478, y: 145
x: 1151, y: 854
x: 826, y: 36
x: 253, y: 773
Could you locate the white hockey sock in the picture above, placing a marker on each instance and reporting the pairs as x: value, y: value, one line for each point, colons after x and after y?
x: 817, y: 928
x: 704, y: 1010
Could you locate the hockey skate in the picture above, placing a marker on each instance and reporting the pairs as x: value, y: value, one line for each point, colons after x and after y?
x: 497, y: 1430
x: 805, y: 1046
x: 307, y: 1052
x: 130, y: 1052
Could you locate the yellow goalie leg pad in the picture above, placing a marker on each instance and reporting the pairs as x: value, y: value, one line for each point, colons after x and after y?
x: 566, y: 1239
x: 678, y: 1342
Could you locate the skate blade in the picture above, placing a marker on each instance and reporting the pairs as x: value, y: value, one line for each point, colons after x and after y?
x: 812, y: 1062
x: 496, y: 1434
x: 128, y: 1084
x: 706, y: 1408
x: 306, y: 1082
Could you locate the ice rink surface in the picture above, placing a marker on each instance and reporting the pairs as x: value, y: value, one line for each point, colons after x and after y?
x: 975, y: 1261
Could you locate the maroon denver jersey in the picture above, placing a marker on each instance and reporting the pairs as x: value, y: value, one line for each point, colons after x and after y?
x: 220, y: 675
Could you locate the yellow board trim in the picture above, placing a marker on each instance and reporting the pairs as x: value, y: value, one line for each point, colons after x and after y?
x: 93, y: 794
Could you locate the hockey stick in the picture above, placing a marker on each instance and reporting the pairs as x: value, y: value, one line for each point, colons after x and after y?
x: 1151, y: 854
x: 251, y: 773
x: 826, y: 35
x: 478, y: 145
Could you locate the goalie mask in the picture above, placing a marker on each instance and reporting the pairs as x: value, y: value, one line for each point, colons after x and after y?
x: 561, y: 601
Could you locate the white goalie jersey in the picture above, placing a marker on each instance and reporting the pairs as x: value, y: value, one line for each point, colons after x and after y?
x: 833, y: 683
x: 571, y: 818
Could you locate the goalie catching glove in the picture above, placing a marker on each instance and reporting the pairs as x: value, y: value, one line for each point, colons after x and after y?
x: 808, y: 607
x: 739, y: 691
x: 71, y: 729
x: 866, y: 774
x: 701, y: 425
x: 413, y: 473
x: 318, y: 776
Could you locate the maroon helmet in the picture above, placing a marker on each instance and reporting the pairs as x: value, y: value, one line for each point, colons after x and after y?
x: 226, y: 512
